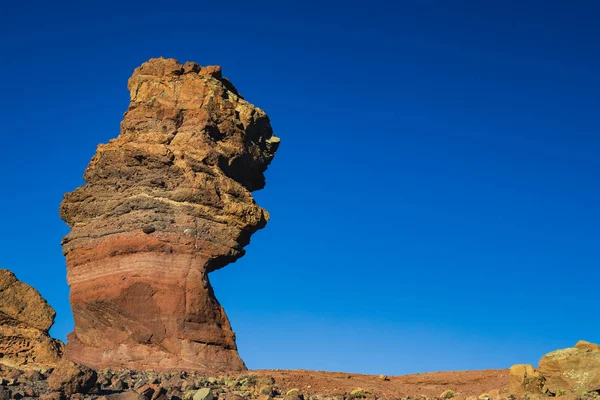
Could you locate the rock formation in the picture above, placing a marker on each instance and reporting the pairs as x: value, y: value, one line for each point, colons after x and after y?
x: 573, y: 370
x: 164, y: 204
x: 25, y: 319
x: 523, y: 379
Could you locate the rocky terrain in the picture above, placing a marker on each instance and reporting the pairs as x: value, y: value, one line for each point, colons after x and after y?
x: 164, y: 204
x: 68, y: 380
x: 73, y: 382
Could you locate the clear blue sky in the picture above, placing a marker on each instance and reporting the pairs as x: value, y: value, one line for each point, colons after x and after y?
x: 435, y: 202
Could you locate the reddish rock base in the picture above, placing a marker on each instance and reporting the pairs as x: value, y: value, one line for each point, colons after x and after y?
x: 158, y: 307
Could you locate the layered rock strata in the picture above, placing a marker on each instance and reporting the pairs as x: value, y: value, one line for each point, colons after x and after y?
x: 164, y: 204
x: 25, y: 319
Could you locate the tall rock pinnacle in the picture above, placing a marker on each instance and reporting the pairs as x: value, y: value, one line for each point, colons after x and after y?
x: 164, y: 204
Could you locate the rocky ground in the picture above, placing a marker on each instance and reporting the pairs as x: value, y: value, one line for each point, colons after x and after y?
x: 571, y: 374
x: 81, y: 383
x: 262, y: 385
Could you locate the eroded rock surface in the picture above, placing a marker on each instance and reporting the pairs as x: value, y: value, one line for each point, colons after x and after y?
x: 572, y: 370
x: 524, y: 379
x: 164, y: 204
x: 25, y: 319
x: 568, y: 371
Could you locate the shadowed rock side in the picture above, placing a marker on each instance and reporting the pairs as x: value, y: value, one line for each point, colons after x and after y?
x: 25, y: 319
x: 164, y: 204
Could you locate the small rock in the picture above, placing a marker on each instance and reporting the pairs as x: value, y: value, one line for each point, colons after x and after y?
x: 33, y: 375
x: 160, y: 394
x: 148, y: 229
x: 293, y: 394
x: 147, y: 391
x: 70, y: 378
x: 52, y: 396
x: 204, y: 394
x: 266, y: 389
x: 130, y: 395
x: 189, y: 395
x: 117, y: 384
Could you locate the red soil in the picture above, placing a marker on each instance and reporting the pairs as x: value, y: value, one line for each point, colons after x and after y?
x: 463, y: 383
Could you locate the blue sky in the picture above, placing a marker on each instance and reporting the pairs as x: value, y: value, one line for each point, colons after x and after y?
x: 435, y: 201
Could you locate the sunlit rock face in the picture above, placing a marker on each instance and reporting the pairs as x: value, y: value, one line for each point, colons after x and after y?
x: 164, y: 204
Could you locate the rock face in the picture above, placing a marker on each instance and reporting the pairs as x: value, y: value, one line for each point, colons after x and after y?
x: 572, y: 370
x: 25, y: 319
x: 164, y: 204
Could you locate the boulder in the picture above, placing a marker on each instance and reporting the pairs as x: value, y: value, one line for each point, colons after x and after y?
x: 572, y: 370
x: 583, y: 345
x: 163, y: 205
x: 524, y: 379
x: 69, y: 378
x: 25, y: 319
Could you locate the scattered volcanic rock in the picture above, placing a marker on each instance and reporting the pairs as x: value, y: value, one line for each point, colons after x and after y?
x: 572, y: 370
x: 164, y: 204
x: 25, y: 319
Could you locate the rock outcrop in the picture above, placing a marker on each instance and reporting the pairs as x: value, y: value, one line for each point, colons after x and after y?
x: 25, y: 319
x: 524, y: 379
x: 574, y: 370
x: 164, y: 204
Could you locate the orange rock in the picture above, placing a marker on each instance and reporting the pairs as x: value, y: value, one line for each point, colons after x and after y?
x: 524, y: 379
x: 583, y: 345
x: 164, y: 204
x: 572, y: 370
x: 70, y: 379
x: 25, y: 319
